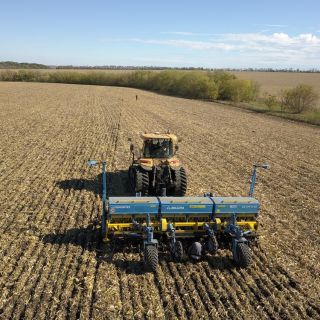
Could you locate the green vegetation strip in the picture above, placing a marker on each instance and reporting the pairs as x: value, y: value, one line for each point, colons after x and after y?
x: 187, y: 84
x: 206, y: 85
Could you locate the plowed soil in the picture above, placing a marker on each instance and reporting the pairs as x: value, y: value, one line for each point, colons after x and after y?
x: 52, y: 265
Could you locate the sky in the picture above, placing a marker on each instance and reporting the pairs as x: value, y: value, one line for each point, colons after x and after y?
x: 210, y: 34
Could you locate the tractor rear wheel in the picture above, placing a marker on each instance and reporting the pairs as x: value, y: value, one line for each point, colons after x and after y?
x: 178, y: 251
x: 180, y: 182
x: 141, y: 182
x: 242, y: 255
x: 151, y: 258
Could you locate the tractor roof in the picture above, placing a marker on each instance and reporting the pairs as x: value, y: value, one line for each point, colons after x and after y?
x: 158, y: 135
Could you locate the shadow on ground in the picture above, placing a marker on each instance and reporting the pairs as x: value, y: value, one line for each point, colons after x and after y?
x: 117, y: 184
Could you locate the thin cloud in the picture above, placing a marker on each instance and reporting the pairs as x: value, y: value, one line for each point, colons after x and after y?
x: 275, y: 38
x: 198, y: 45
x: 256, y: 48
x: 234, y: 41
x: 186, y: 33
x: 276, y: 25
x: 272, y: 25
x: 179, y: 33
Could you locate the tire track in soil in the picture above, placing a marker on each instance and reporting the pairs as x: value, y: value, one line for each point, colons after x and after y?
x: 145, y: 301
x: 233, y: 294
x: 133, y: 287
x: 172, y: 299
x: 202, y: 288
x: 210, y: 291
x: 180, y: 284
x: 163, y: 292
x: 127, y: 308
x: 226, y: 297
x: 109, y: 285
x: 186, y: 271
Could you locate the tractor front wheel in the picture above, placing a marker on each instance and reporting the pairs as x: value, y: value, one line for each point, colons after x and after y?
x: 151, y: 258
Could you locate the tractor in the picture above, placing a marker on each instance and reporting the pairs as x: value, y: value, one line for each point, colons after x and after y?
x: 156, y: 170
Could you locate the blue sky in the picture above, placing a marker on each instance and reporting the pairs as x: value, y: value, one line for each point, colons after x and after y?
x: 235, y: 34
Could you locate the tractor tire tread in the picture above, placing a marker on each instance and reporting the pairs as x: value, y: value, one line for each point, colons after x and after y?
x: 181, y: 182
x: 141, y: 182
x: 244, y: 255
x: 151, y: 259
x: 178, y: 251
x: 213, y: 245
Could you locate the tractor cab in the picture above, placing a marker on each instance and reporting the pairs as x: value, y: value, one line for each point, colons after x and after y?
x: 158, y: 145
x: 158, y: 148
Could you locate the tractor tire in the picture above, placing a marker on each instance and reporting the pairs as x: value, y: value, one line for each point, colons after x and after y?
x: 151, y: 258
x: 180, y: 183
x: 243, y: 255
x: 178, y: 251
x: 141, y: 182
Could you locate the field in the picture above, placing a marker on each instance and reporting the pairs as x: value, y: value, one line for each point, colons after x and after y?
x: 52, y: 264
x: 273, y: 82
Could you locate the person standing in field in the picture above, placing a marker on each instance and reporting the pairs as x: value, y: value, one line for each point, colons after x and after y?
x: 136, y: 97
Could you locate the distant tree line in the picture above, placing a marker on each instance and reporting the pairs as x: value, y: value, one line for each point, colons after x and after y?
x: 211, y: 85
x: 21, y: 65
x: 314, y: 70
x: 26, y: 65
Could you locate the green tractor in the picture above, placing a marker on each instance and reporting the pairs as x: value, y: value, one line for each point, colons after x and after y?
x: 157, y: 170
